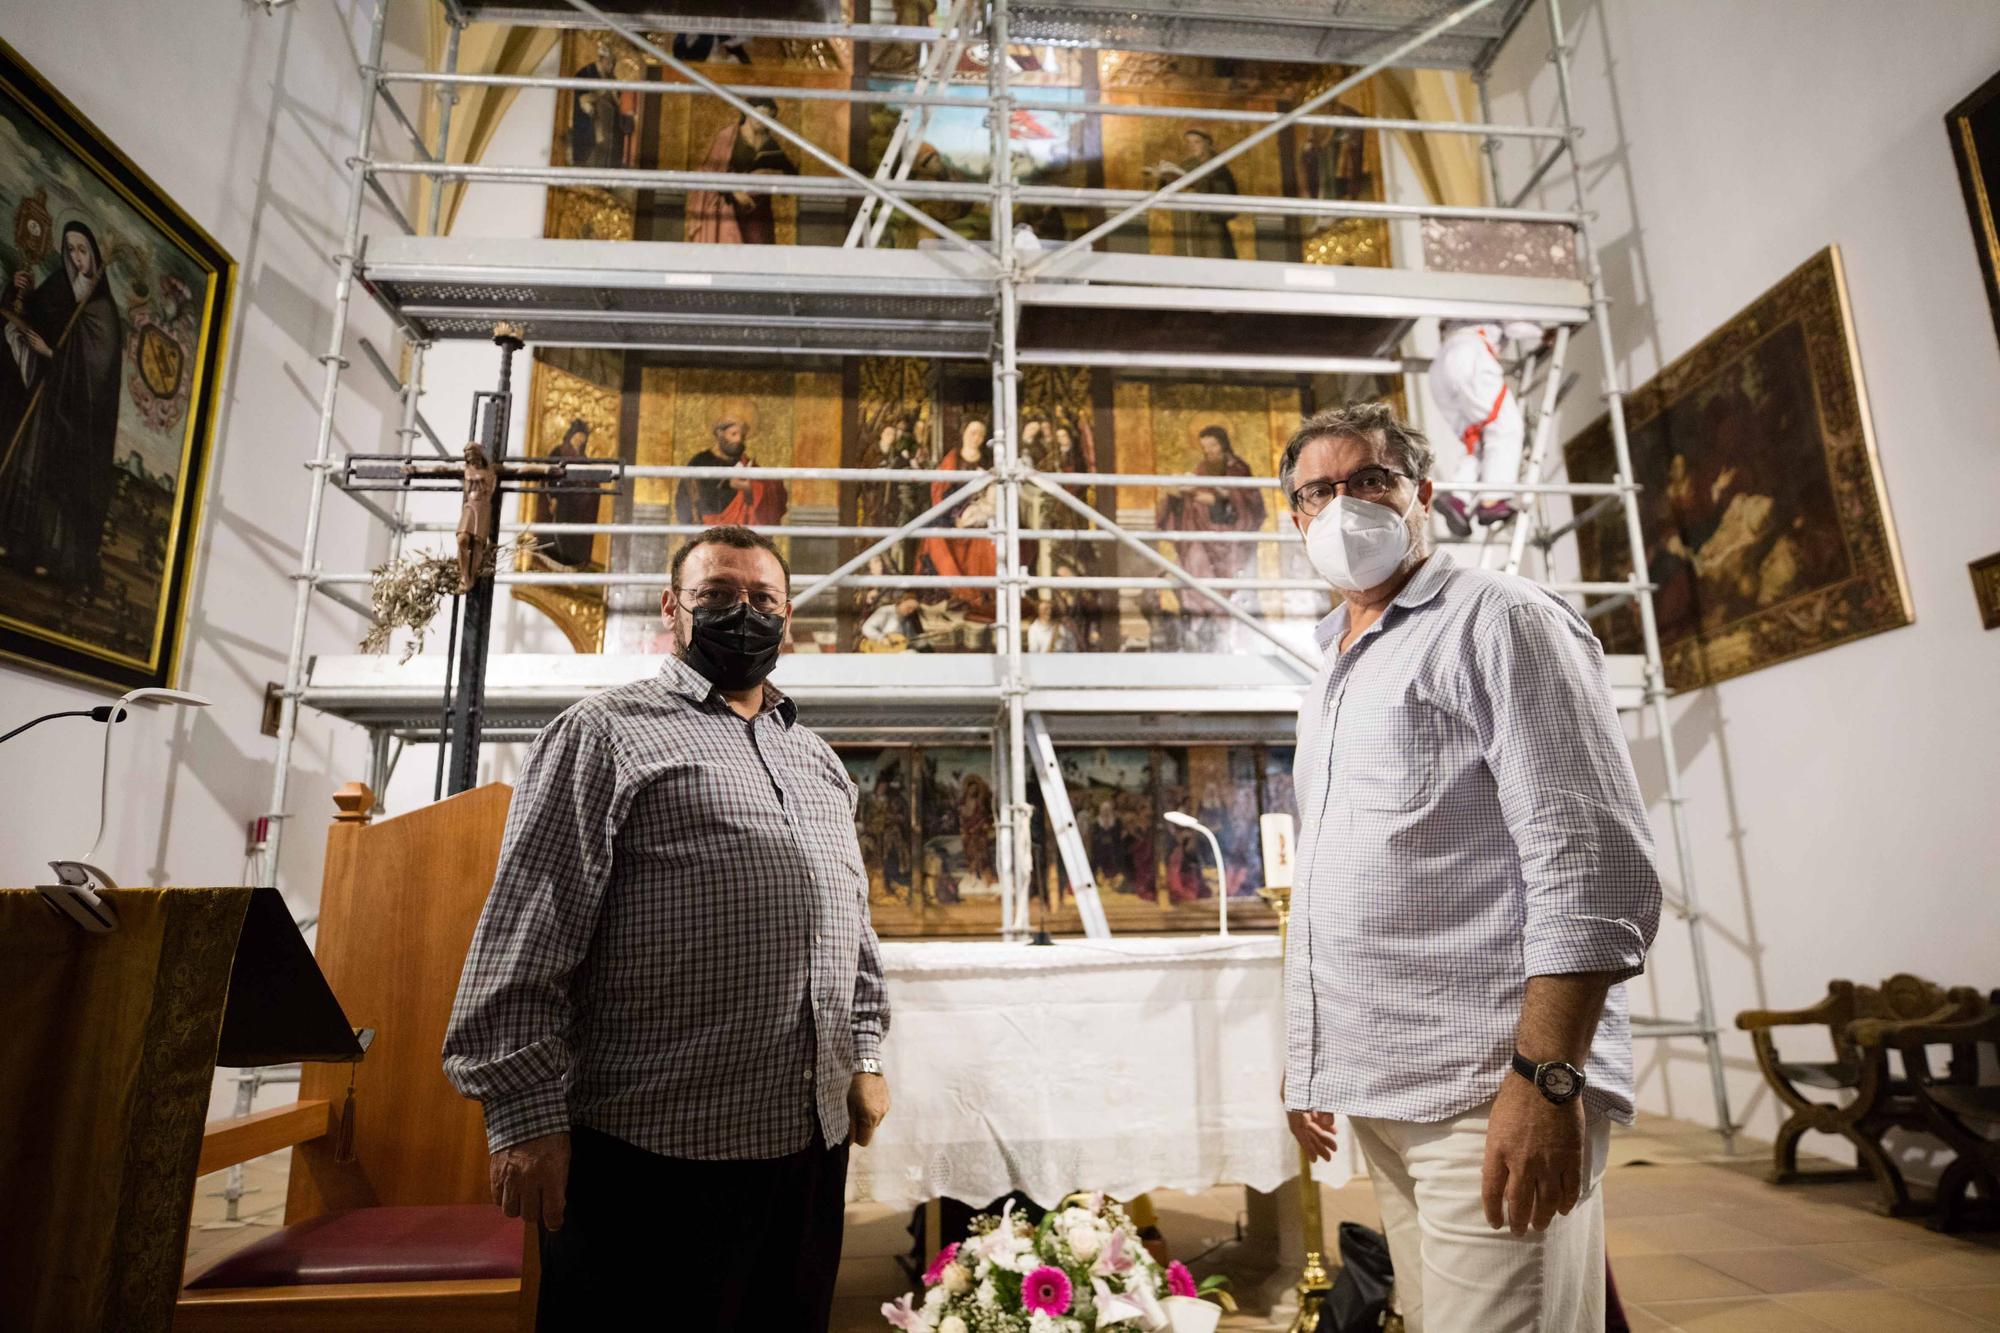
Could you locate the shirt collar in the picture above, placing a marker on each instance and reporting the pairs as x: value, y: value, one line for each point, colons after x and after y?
x: 690, y: 684
x: 1425, y: 584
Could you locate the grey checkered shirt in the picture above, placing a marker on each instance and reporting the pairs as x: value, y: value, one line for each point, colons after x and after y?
x: 1471, y: 819
x: 676, y: 950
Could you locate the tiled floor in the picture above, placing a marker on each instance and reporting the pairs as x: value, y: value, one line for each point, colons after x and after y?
x: 260, y: 1211
x: 1697, y: 1241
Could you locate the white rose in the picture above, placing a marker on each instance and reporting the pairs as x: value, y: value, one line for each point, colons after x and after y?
x: 956, y: 1281
x: 952, y: 1324
x: 1084, y: 1241
x: 934, y: 1299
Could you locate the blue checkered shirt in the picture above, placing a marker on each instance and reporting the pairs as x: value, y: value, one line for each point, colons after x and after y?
x: 676, y: 950
x: 1470, y: 819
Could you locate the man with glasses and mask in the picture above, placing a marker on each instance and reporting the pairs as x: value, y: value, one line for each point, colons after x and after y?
x: 672, y: 1011
x: 1474, y: 884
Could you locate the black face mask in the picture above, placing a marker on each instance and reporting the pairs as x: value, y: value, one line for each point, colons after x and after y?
x: 734, y: 649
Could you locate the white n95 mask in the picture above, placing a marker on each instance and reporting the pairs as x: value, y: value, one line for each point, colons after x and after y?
x: 1356, y: 544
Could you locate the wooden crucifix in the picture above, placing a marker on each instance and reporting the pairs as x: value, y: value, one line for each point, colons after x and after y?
x: 481, y: 476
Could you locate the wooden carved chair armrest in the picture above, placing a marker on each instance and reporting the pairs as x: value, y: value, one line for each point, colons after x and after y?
x: 1962, y: 1006
x: 1838, y: 1003
x: 238, y: 1139
x: 1912, y: 1039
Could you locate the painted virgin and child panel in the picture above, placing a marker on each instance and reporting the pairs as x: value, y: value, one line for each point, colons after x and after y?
x: 933, y: 416
x: 113, y: 311
x: 1767, y: 527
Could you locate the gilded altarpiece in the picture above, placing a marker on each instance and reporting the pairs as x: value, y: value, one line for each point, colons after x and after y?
x: 927, y: 814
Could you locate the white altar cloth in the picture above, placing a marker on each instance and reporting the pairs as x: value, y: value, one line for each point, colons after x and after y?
x: 1120, y: 1065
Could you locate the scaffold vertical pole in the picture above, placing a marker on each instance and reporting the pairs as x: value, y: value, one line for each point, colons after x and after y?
x: 447, y: 96
x: 1007, y: 409
x: 332, y: 363
x: 1656, y: 684
x: 406, y: 444
x: 1545, y: 430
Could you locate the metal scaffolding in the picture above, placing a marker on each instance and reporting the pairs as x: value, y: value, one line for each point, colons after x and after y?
x: 956, y: 298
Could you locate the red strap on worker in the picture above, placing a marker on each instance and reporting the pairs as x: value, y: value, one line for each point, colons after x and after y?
x: 1476, y: 432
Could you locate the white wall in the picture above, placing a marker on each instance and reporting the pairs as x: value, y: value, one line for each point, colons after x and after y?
x: 1843, y: 806
x: 245, y: 119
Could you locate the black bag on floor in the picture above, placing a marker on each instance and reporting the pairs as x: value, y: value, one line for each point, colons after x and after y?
x: 1360, y: 1291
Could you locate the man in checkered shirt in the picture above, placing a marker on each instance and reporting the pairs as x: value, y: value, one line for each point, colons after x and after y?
x: 672, y: 1012
x: 1474, y: 885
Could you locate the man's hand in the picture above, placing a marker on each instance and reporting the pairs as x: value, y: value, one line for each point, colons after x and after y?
x: 1534, y: 1158
x: 530, y: 1179
x: 1314, y: 1131
x: 867, y: 1105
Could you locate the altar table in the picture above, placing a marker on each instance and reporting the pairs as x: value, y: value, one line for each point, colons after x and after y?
x: 1123, y: 1065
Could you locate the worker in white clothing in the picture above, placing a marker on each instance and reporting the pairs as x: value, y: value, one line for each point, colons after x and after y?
x: 1469, y: 384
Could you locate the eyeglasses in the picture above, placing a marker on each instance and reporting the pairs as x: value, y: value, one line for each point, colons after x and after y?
x: 1368, y: 483
x: 721, y: 596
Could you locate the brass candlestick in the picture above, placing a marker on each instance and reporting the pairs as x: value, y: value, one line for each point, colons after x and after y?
x: 1314, y: 1280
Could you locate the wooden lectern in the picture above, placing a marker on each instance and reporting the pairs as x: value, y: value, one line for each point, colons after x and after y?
x: 397, y: 910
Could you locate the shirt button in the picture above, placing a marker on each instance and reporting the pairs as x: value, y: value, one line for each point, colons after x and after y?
x: 809, y: 1074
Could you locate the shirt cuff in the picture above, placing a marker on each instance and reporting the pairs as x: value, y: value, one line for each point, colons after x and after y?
x: 1559, y: 945
x: 867, y: 1044
x: 519, y: 1116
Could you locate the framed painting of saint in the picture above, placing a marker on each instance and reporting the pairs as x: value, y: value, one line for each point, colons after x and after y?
x: 1767, y: 526
x: 114, y: 310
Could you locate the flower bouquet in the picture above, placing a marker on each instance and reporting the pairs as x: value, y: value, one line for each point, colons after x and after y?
x: 1084, y: 1268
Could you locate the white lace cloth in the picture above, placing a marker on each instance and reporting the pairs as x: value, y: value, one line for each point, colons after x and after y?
x: 1123, y: 1065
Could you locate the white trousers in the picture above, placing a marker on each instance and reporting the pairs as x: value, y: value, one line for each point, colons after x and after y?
x: 1456, y: 1274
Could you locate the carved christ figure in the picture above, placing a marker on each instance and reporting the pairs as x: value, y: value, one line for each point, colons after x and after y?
x: 475, y: 515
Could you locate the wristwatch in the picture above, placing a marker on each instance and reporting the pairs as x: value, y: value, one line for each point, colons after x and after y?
x: 1557, y: 1080
x: 868, y: 1066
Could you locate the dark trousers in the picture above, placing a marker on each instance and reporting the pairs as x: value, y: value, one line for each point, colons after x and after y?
x: 652, y: 1242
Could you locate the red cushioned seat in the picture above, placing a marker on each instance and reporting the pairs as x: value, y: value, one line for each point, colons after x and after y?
x: 448, y: 1242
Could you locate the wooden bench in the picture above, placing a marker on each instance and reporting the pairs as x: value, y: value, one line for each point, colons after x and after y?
x: 1880, y: 1100
x: 1957, y: 1107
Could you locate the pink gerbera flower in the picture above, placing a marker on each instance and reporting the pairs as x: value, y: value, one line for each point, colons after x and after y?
x: 1180, y: 1282
x: 1047, y: 1290
x: 935, y: 1273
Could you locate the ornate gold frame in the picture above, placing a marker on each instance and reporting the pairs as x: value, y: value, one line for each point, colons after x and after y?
x: 1980, y: 192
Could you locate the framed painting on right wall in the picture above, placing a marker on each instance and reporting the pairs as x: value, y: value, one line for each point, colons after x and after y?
x: 1767, y: 526
x: 1974, y: 126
